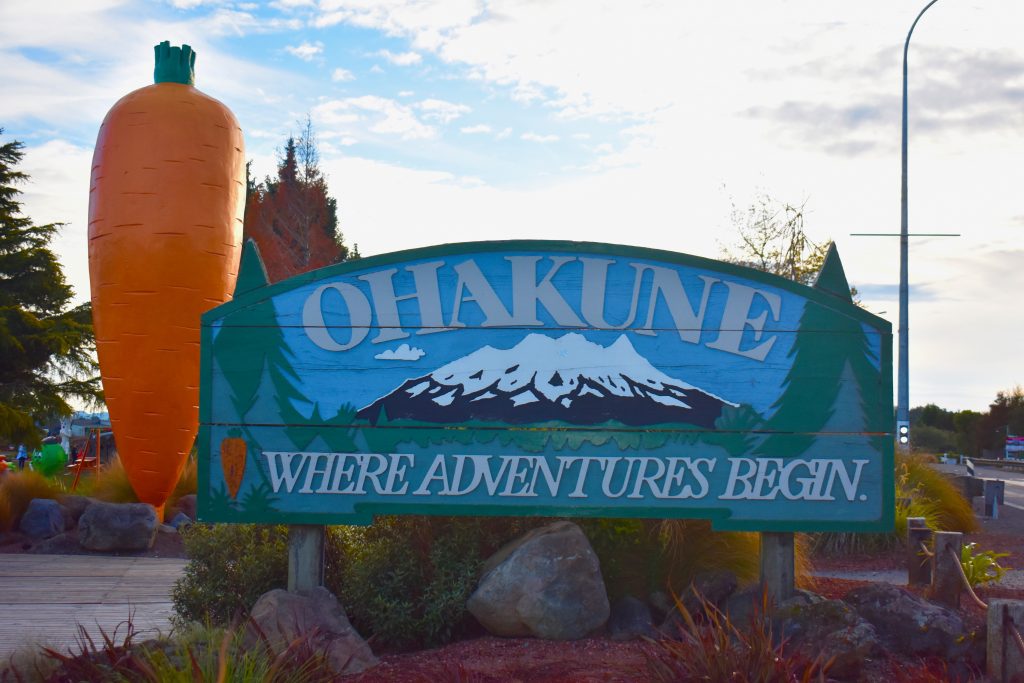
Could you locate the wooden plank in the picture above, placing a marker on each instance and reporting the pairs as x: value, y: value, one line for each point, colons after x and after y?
x: 43, y: 598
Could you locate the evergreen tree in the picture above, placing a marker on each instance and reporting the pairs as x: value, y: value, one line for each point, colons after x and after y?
x: 46, y: 346
x: 292, y: 218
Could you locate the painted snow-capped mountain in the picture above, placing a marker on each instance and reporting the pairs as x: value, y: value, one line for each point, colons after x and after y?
x: 569, y: 379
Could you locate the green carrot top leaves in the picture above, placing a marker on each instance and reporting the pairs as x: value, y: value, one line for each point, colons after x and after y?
x: 174, y: 64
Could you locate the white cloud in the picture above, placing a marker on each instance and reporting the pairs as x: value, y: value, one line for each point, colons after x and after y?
x: 441, y: 111
x: 503, y: 134
x: 340, y: 75
x: 478, y: 128
x: 406, y: 93
x: 305, y: 51
x: 375, y: 114
x: 403, y: 352
x: 192, y: 4
x: 400, y: 58
x: 534, y: 137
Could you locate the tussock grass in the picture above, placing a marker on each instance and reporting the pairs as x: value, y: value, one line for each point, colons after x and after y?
x: 17, y: 489
x: 110, y: 484
x: 921, y: 491
x: 953, y: 511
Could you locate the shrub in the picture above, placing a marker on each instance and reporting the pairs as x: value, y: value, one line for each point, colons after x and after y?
x: 405, y: 580
x: 17, y: 489
x: 230, y: 567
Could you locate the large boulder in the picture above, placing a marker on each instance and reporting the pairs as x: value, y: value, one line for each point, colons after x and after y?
x: 42, y: 519
x: 278, y: 618
x: 828, y: 630
x: 118, y: 526
x: 911, y: 625
x: 74, y: 506
x: 547, y: 584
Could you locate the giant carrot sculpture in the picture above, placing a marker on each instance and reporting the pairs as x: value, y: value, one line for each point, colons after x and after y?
x: 165, y: 232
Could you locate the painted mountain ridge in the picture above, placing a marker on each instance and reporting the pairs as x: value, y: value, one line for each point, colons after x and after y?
x: 541, y: 379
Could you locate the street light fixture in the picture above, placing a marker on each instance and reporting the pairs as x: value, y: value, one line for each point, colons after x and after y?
x: 903, y: 392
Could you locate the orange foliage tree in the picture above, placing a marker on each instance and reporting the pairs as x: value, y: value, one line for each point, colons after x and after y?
x: 292, y: 218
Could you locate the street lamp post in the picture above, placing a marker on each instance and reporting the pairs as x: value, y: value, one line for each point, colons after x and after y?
x: 903, y: 391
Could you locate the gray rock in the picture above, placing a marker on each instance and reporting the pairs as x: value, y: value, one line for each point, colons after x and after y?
x: 746, y: 606
x: 187, y: 504
x: 630, y: 619
x: 714, y: 587
x: 662, y: 604
x: 911, y: 625
x: 74, y: 506
x: 828, y: 630
x: 118, y: 526
x: 278, y: 618
x: 42, y: 519
x: 180, y: 520
x: 546, y: 583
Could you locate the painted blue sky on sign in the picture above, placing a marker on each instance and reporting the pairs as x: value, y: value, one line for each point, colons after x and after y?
x: 693, y: 362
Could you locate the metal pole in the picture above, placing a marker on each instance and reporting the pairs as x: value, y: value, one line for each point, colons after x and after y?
x: 903, y: 381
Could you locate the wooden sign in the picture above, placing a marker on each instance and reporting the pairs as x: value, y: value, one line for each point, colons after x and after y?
x: 546, y: 378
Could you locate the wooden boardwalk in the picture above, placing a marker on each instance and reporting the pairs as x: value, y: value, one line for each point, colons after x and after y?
x: 43, y: 598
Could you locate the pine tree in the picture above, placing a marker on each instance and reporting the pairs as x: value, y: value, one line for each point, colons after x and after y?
x: 292, y: 218
x: 46, y: 346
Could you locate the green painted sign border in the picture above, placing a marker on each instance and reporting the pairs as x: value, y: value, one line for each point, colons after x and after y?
x: 720, y: 518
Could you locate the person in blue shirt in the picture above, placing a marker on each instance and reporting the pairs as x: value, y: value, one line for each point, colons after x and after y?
x: 22, y: 457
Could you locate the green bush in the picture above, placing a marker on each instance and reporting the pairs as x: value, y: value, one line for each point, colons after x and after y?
x: 230, y: 567
x: 402, y: 580
x: 405, y: 580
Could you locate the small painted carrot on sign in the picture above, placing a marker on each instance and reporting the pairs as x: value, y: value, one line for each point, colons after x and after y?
x: 232, y: 461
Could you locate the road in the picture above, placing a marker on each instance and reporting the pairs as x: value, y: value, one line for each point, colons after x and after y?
x: 1014, y: 492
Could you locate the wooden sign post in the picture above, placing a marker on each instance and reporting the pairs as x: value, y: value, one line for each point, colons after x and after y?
x: 548, y: 378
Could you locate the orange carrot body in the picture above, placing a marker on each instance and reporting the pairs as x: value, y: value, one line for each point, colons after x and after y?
x: 165, y: 232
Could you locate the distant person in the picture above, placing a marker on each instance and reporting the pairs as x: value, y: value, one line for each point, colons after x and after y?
x: 22, y: 457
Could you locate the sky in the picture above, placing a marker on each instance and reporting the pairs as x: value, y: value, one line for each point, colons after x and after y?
x: 644, y: 123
